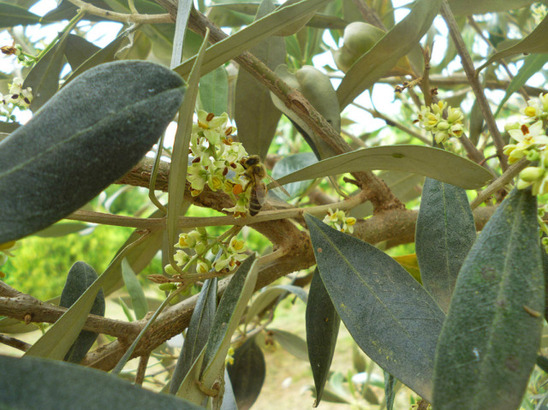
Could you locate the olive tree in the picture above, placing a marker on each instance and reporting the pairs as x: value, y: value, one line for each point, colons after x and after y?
x: 263, y: 132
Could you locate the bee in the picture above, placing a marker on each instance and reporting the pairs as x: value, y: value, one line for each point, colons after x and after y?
x: 255, y: 172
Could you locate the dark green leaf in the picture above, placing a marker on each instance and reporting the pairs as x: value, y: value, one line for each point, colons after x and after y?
x: 445, y: 233
x: 91, y: 133
x: 476, y: 122
x: 197, y: 334
x: 43, y: 78
x: 290, y: 342
x: 136, y: 293
x: 78, y: 50
x: 254, y: 112
x: 431, y: 162
x: 79, y: 278
x: 489, y: 342
x: 542, y: 362
x: 104, y: 55
x: 9, y: 126
x: 12, y: 15
x: 389, y: 315
x: 60, y: 385
x: 247, y: 373
x: 66, y: 11
x: 214, y: 92
x: 322, y: 329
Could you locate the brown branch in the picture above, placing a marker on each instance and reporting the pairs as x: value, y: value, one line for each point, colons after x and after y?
x: 377, y: 192
x: 15, y: 343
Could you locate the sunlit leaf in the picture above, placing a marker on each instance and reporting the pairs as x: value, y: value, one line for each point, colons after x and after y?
x: 136, y: 293
x: 214, y: 92
x: 250, y: 36
x: 254, y: 112
x: 469, y: 7
x: 431, y: 162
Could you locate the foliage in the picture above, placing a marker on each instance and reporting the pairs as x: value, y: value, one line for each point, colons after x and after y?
x: 291, y: 90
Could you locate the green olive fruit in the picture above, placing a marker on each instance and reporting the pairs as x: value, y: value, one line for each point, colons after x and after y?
x: 358, y: 39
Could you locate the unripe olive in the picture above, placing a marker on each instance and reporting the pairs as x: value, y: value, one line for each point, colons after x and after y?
x: 359, y: 37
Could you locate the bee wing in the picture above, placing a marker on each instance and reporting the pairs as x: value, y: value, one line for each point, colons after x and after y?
x: 274, y: 184
x: 260, y: 191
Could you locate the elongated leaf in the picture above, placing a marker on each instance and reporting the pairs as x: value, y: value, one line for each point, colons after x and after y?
x: 322, y: 329
x: 78, y: 50
x: 254, y: 112
x: 250, y: 36
x: 13, y: 15
x: 389, y: 390
x: 445, y: 233
x: 290, y: 342
x: 8, y: 127
x: 291, y: 164
x: 43, y: 79
x: 229, y: 312
x: 183, y: 12
x: 534, y: 43
x: 60, y: 385
x: 269, y: 296
x: 384, y: 55
x: 389, y: 315
x: 104, y: 55
x: 431, y: 162
x: 531, y: 65
x: 79, y: 278
x: 214, y: 92
x: 489, y: 342
x: 197, y: 334
x: 247, y: 373
x: 62, y: 229
x: 179, y: 159
x: 87, y: 136
x: 469, y: 7
x: 136, y: 293
x: 60, y: 337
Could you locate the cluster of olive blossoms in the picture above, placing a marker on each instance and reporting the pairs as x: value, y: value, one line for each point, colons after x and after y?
x: 210, y: 253
x: 338, y: 220
x: 531, y: 141
x: 217, y: 161
x: 16, y: 50
x: 16, y: 97
x: 443, y: 127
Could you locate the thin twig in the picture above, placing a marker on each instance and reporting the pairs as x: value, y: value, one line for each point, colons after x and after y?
x: 122, y: 17
x: 15, y: 343
x: 470, y: 71
x: 500, y: 182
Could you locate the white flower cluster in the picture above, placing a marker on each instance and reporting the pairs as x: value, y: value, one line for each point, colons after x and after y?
x: 16, y: 97
x: 217, y: 161
x: 338, y: 220
x: 211, y: 254
x: 443, y: 127
x: 531, y: 139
